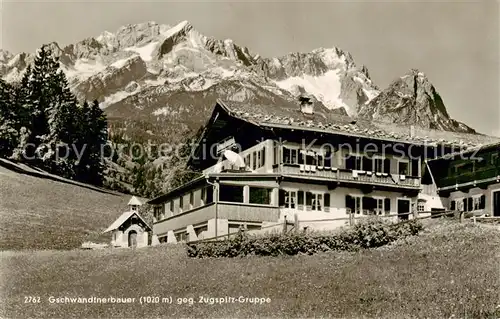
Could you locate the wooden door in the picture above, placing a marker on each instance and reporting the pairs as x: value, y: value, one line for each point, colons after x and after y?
x: 132, y: 239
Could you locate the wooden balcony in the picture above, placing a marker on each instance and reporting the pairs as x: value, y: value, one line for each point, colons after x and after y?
x: 489, y: 174
x: 222, y: 210
x: 344, y: 175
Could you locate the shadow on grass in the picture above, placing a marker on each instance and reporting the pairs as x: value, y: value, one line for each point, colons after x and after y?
x: 36, y: 172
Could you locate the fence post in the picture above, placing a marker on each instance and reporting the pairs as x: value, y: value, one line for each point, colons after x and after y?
x: 474, y: 218
x: 284, y: 225
x: 462, y: 217
x: 296, y: 222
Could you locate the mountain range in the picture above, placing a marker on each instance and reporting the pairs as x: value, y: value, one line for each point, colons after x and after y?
x: 167, y: 78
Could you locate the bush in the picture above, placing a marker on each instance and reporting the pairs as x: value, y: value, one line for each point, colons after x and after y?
x: 367, y: 234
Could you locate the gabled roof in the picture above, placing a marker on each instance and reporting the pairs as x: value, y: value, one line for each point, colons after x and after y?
x: 134, y: 201
x: 468, y: 151
x: 289, y: 116
x: 122, y: 219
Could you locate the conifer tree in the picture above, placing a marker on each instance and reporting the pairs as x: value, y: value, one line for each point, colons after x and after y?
x: 8, y: 118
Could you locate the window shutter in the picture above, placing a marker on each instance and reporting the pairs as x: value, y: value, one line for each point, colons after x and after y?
x: 414, y: 168
x: 349, y: 162
x: 452, y: 205
x: 482, y: 202
x: 464, y: 204
x: 326, y: 199
x: 309, y: 197
x: 328, y: 159
x: 349, y: 202
x: 387, y: 165
x: 301, y: 198
x: 470, y: 204
x: 387, y: 205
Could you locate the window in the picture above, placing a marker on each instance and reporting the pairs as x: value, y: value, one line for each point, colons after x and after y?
x: 464, y: 168
x: 181, y: 203
x: 159, y: 212
x: 254, y: 160
x: 311, y: 158
x: 263, y: 157
x: 476, y: 202
x: 482, y: 202
x: 380, y: 206
x: 353, y: 204
x: 260, y: 195
x: 287, y: 199
x: 369, y: 205
x: 421, y: 206
x: 191, y: 200
x: 403, y: 168
x: 470, y: 204
x: 247, y: 160
x: 207, y: 195
x: 453, y: 205
x: 387, y: 166
x: 378, y: 165
x: 275, y: 153
x: 367, y: 164
x: 353, y: 162
x: 231, y: 193
x: 317, y: 202
x: 182, y: 236
x: 357, y: 206
x: 172, y: 207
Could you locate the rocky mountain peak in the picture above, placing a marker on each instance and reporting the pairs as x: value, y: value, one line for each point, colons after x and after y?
x: 149, y: 59
x: 412, y: 99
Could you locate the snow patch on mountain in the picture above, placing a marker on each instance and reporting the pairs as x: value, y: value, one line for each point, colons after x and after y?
x: 145, y: 52
x: 326, y: 88
x: 84, y: 68
x: 170, y: 32
x: 117, y: 97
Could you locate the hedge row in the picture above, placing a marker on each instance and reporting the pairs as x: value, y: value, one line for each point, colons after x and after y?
x: 368, y: 234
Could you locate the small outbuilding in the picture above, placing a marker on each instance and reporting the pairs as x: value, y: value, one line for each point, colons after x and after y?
x: 130, y: 229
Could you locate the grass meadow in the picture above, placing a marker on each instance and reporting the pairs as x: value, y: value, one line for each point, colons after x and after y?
x: 450, y: 270
x: 40, y: 211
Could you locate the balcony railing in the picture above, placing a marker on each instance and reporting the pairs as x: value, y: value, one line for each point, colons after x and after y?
x: 224, y: 210
x: 479, y: 175
x: 344, y: 175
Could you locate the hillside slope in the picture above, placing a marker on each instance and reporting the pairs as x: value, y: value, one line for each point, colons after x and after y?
x: 41, y: 211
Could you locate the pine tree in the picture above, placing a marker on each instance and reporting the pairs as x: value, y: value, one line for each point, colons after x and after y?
x: 33, y: 97
x: 95, y: 136
x: 9, y: 134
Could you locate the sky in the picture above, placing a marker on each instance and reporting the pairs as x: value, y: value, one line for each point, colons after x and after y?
x: 456, y: 44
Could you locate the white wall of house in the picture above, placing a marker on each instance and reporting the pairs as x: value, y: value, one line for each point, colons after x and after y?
x: 477, y: 192
x: 337, y: 207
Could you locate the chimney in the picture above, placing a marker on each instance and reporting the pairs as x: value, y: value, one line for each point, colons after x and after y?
x: 306, y: 105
